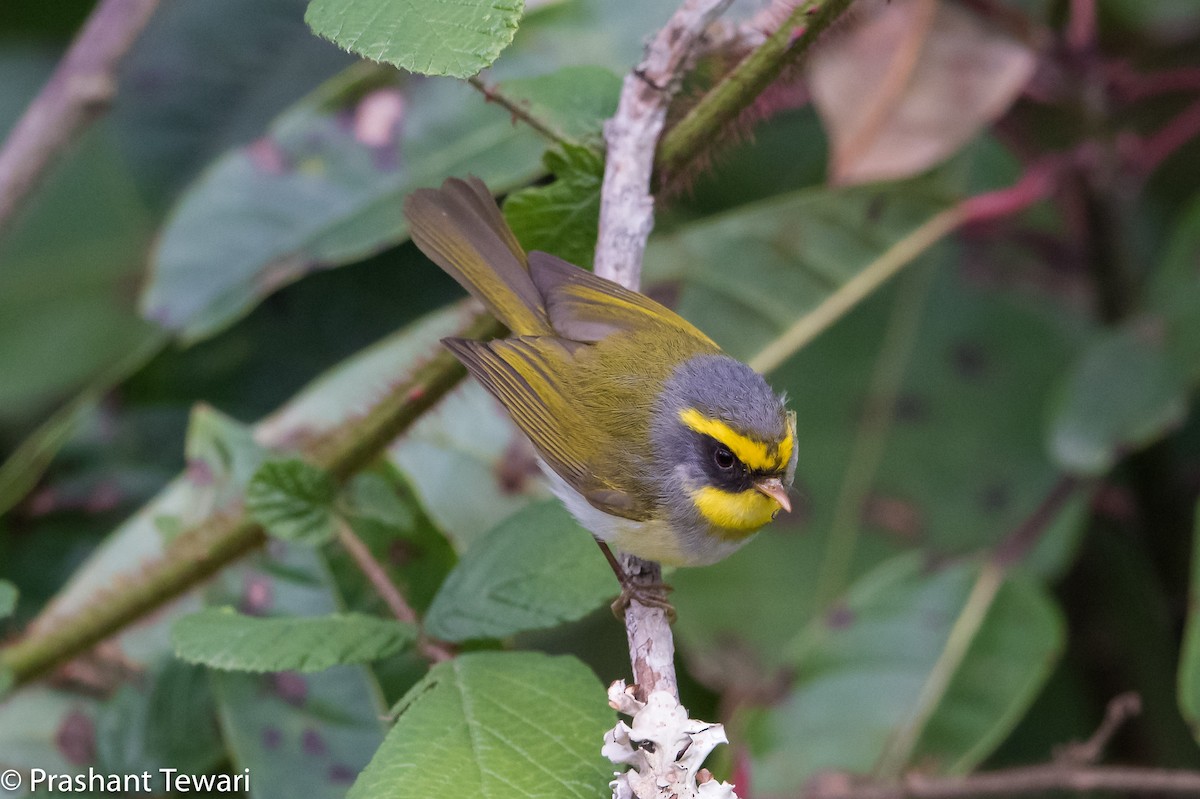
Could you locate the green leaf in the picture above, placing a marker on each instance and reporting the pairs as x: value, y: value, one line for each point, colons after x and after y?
x: 572, y: 101
x: 982, y: 365
x: 435, y: 37
x: 324, y: 187
x: 1131, y: 386
x: 8, y: 598
x: 1189, y: 658
x: 167, y: 721
x: 223, y: 639
x: 294, y: 500
x: 563, y: 217
x: 1122, y: 394
x: 501, y: 724
x: 170, y: 129
x: 950, y: 659
x: 537, y: 569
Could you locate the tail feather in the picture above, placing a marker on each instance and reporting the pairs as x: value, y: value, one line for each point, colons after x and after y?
x: 461, y: 230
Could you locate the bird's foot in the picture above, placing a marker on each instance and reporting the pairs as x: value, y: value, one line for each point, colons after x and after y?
x: 652, y: 596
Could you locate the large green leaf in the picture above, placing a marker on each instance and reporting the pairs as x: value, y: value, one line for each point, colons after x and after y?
x: 223, y: 639
x: 790, y: 252
x: 324, y: 187
x: 1189, y: 659
x: 950, y: 658
x: 975, y: 379
x: 204, y: 77
x: 537, y: 569
x: 436, y: 37
x: 496, y: 724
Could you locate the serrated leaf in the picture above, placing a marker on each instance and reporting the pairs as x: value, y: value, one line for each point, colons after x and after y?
x: 8, y: 598
x: 885, y: 641
x: 572, y: 101
x: 563, y: 217
x: 323, y: 187
x: 435, y: 37
x: 221, y: 638
x: 537, y: 569
x: 500, y: 724
x: 293, y: 500
x: 1189, y: 657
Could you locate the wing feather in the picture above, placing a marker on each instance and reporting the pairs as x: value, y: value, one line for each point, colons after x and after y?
x: 585, y: 307
x: 521, y: 374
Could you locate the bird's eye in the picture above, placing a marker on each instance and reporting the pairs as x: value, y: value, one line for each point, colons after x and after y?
x: 723, y: 458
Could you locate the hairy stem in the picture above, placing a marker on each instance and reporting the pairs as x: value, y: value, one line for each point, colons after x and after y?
x: 202, y: 551
x: 736, y: 91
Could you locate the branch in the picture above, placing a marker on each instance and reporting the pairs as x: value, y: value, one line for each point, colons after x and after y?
x: 1025, y: 780
x: 214, y: 543
x: 626, y: 218
x: 1073, y: 769
x: 79, y: 91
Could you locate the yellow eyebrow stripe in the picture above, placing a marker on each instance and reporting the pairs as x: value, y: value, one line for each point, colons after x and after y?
x: 755, y: 454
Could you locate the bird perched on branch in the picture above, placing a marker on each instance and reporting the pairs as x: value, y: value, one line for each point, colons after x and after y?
x: 656, y: 441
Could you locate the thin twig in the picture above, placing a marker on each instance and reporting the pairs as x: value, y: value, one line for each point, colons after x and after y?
x: 518, y: 111
x: 1120, y: 710
x: 626, y: 207
x: 1073, y: 769
x: 626, y: 218
x: 377, y: 576
x: 1158, y: 147
x: 1022, y: 780
x: 79, y: 90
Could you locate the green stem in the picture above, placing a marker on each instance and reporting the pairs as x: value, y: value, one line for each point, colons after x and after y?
x: 871, y: 439
x: 205, y: 549
x: 736, y: 91
x: 899, y: 749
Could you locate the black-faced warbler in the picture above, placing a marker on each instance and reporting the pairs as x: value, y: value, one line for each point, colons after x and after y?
x: 656, y: 441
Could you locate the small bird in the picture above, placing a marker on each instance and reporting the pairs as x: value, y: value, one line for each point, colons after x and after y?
x: 657, y: 442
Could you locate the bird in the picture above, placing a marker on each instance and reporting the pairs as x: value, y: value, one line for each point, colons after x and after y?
x: 657, y: 442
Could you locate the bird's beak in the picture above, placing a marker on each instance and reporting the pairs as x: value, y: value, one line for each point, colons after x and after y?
x: 773, y: 488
